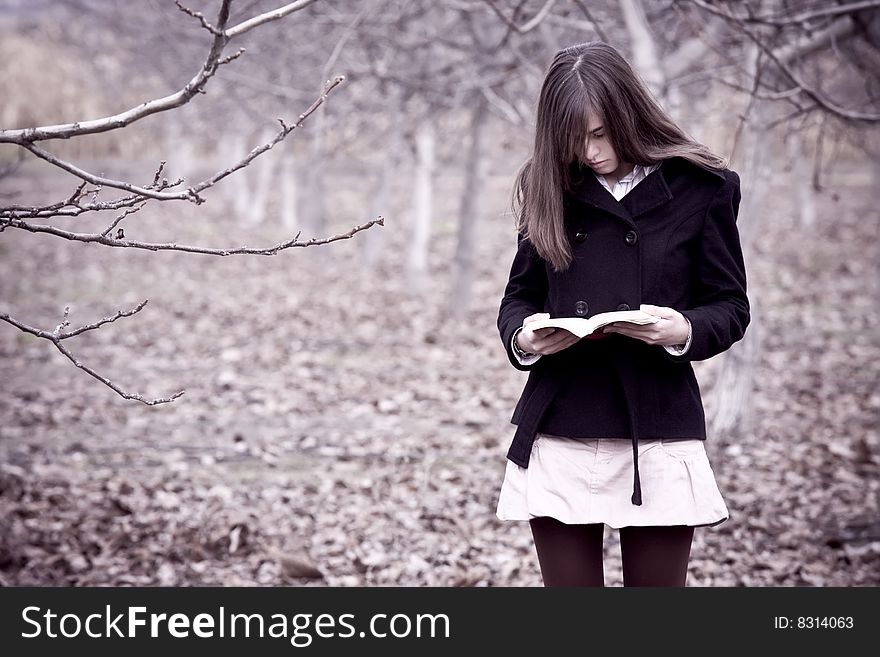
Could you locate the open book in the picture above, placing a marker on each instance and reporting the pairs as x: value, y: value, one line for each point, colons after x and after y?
x: 583, y: 326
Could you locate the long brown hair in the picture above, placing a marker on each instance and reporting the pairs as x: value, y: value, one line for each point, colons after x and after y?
x: 584, y: 77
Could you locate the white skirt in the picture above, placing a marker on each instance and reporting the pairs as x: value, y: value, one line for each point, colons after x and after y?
x: 582, y: 481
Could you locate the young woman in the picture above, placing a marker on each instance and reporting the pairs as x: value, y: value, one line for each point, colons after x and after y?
x: 617, y: 209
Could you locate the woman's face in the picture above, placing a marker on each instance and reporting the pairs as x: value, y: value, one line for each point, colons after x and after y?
x: 599, y: 152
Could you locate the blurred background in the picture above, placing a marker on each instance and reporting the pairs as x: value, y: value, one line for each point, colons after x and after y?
x: 346, y: 410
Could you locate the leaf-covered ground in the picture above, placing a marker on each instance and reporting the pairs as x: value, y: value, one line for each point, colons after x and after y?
x: 342, y: 428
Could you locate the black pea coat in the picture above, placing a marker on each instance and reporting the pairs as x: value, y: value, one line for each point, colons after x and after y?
x: 671, y: 241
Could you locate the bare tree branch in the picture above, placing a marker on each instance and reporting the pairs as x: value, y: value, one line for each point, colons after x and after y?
x: 222, y: 36
x: 201, y: 17
x: 807, y: 16
x: 285, y: 130
x: 191, y: 193
x: 58, y: 334
x: 116, y: 121
x: 502, y: 105
x: 596, y: 25
x: 72, y: 207
x: 816, y: 40
x: 273, y: 15
x: 528, y: 26
x: 62, y: 209
x: 16, y: 216
x: 104, y: 238
x: 187, y: 195
x: 777, y: 58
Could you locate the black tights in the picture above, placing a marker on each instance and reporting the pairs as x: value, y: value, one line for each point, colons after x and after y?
x: 571, y: 555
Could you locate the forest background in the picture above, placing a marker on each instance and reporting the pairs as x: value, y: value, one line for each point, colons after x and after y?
x: 347, y: 404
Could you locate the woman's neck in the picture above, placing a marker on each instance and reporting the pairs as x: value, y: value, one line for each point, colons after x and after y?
x: 623, y: 170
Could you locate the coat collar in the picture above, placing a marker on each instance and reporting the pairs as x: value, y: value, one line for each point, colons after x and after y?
x: 651, y: 192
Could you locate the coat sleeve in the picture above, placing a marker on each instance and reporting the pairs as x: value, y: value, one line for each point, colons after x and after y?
x: 524, y: 295
x: 719, y: 311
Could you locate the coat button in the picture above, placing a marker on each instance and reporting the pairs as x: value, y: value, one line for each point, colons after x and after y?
x: 581, y: 308
x: 631, y: 237
x: 580, y: 236
x: 623, y: 306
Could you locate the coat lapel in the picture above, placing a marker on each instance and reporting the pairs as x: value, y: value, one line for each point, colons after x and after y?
x: 647, y: 195
x: 585, y: 187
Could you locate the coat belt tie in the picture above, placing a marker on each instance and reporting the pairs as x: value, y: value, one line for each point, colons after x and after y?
x: 624, y: 364
x: 628, y: 377
x: 527, y: 428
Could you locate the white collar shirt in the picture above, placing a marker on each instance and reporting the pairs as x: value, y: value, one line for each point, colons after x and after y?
x: 630, y: 180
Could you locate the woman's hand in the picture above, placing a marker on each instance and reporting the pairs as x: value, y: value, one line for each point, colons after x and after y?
x: 671, y: 329
x: 544, y: 341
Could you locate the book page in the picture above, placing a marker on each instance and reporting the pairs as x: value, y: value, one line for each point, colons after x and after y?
x: 633, y: 316
x: 583, y: 326
x: 580, y: 326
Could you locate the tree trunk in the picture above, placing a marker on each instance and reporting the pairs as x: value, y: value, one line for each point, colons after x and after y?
x: 421, y: 211
x: 235, y: 190
x: 313, y: 209
x: 288, y: 192
x: 374, y: 239
x: 264, y: 166
x: 459, y: 297
x: 801, y: 173
x: 645, y: 59
x: 732, y: 416
x: 180, y: 148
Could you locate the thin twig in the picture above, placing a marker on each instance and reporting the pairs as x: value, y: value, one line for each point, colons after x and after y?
x: 105, y: 239
x: 285, y: 130
x: 526, y: 27
x: 186, y: 195
x: 71, y: 206
x: 273, y: 15
x: 197, y: 14
x: 117, y: 220
x: 58, y: 334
